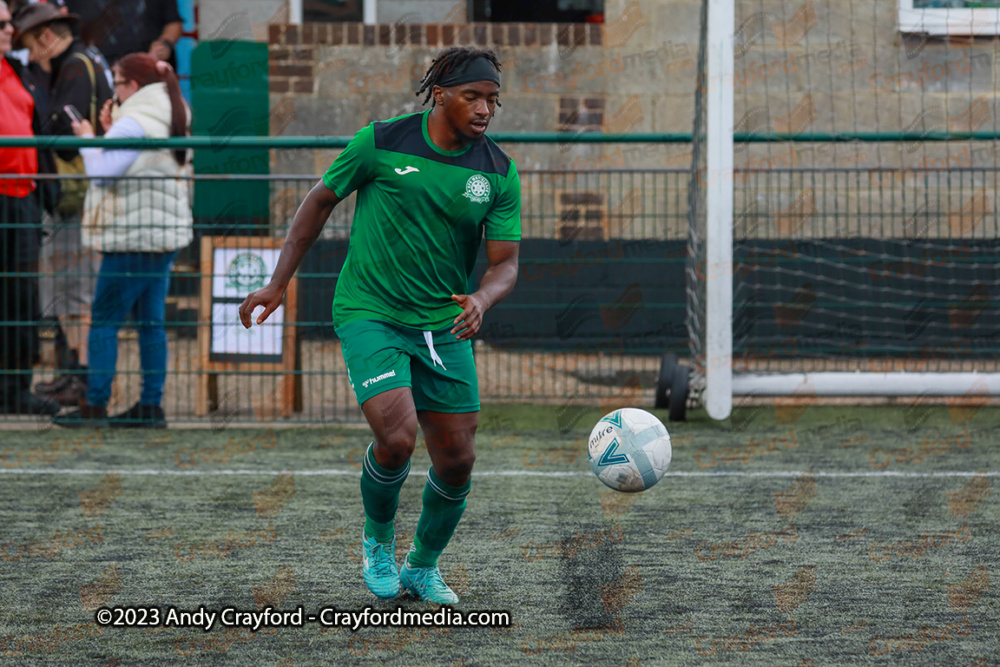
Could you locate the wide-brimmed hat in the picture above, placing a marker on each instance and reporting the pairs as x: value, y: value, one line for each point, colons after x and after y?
x: 35, y: 15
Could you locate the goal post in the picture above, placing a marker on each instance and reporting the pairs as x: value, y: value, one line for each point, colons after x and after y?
x: 843, y: 222
x: 718, y: 368
x: 832, y: 383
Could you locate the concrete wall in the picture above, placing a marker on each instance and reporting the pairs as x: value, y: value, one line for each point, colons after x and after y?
x: 239, y: 19
x: 422, y: 11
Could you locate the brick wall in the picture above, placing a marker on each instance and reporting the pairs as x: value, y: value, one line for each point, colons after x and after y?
x: 294, y: 49
x: 802, y: 66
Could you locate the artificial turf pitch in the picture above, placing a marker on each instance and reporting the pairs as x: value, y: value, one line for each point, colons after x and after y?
x: 809, y: 536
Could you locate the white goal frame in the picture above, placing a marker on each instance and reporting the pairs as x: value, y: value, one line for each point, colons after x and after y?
x: 720, y: 383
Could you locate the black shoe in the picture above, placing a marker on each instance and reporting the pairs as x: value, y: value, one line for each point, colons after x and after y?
x: 49, y: 388
x: 26, y: 403
x: 87, y: 416
x: 140, y: 416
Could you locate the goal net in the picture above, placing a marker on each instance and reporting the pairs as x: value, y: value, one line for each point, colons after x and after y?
x: 862, y: 225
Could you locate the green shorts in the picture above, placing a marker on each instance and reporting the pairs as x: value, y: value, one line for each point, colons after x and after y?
x: 440, y: 370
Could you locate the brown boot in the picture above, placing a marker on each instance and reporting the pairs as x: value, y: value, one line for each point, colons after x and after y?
x: 74, y: 392
x: 49, y: 388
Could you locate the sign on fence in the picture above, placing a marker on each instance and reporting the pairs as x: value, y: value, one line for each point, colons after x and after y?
x: 232, y: 267
x: 236, y: 273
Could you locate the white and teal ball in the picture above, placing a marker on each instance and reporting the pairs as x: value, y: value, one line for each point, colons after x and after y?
x: 629, y: 450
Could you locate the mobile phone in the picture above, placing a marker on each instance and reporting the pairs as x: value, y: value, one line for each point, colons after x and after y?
x: 73, y: 113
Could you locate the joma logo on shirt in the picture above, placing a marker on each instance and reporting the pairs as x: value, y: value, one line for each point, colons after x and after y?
x: 390, y: 374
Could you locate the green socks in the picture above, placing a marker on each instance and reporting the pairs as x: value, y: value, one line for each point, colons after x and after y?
x: 380, y: 495
x: 378, y: 531
x: 443, y: 508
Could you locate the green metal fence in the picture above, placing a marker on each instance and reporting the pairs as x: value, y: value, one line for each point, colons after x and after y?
x: 574, y: 224
x: 834, y: 268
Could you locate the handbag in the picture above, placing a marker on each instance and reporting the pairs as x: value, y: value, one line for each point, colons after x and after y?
x: 73, y: 191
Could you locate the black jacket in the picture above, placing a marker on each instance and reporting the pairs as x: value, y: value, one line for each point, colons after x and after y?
x: 119, y: 28
x: 70, y: 83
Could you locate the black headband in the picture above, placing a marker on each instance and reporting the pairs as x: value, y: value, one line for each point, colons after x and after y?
x: 477, y: 69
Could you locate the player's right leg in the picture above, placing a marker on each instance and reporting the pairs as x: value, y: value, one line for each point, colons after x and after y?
x: 379, y: 370
x: 385, y: 467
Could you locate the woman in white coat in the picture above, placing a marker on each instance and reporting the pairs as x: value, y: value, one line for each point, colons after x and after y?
x: 137, y: 215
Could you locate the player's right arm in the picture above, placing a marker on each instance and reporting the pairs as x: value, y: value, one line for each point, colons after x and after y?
x: 306, y: 227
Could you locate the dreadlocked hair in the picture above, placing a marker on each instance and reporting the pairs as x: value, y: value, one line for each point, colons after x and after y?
x: 448, y: 60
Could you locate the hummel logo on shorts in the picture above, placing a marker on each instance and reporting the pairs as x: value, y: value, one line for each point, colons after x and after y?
x: 390, y: 374
x: 404, y: 172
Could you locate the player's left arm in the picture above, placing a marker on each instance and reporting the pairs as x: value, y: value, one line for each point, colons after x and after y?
x: 497, y: 283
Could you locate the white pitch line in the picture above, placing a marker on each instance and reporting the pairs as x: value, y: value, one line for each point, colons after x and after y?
x: 488, y: 473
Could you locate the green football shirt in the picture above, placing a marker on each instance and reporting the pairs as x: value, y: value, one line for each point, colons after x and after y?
x: 420, y: 216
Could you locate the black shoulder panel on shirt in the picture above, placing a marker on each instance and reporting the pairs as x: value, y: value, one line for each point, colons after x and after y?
x: 405, y: 135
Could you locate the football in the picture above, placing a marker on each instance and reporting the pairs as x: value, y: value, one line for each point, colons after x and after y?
x: 629, y: 450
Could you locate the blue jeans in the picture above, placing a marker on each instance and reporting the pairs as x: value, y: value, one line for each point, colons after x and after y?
x: 135, y: 282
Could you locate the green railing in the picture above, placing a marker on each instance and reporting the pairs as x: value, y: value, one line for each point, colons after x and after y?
x: 601, y: 293
x: 502, y: 138
x: 631, y: 211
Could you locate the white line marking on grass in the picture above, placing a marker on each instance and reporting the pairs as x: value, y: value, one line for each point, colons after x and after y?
x: 486, y: 473
x: 195, y: 473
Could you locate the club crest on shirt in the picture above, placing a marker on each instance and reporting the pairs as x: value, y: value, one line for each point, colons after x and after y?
x: 477, y: 189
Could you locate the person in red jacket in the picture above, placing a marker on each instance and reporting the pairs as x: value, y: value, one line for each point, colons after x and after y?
x: 70, y: 269
x: 20, y: 239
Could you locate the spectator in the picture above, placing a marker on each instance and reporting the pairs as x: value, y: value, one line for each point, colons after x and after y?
x: 69, y: 276
x: 121, y: 27
x: 138, y: 225
x: 20, y: 233
x: 92, y: 50
x: 34, y: 75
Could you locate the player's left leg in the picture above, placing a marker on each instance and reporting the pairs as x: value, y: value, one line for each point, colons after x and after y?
x: 451, y: 445
x: 446, y: 396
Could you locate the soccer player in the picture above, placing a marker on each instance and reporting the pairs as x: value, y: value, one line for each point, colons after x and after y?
x: 429, y: 184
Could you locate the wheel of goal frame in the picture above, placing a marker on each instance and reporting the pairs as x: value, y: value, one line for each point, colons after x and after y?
x: 666, y: 380
x: 679, y: 392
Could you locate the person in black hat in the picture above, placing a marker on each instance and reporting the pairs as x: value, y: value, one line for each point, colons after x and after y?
x: 47, y: 34
x: 80, y: 29
x: 68, y: 269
